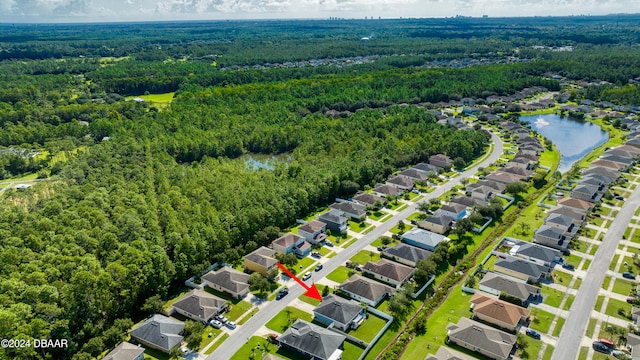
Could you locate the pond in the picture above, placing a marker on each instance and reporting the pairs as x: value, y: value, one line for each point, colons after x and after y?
x: 264, y: 161
x: 573, y: 138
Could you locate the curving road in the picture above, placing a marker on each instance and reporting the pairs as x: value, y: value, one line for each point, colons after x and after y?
x: 240, y: 336
x: 572, y: 333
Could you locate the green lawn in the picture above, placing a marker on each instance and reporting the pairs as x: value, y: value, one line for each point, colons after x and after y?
x: 305, y: 263
x: 552, y: 297
x: 340, y: 274
x: 614, y: 262
x: 364, y: 256
x: 248, y: 316
x: 541, y: 320
x: 369, y: 329
x: 605, y: 282
x: 548, y: 352
x: 584, y: 351
x: 324, y: 251
x: 162, y: 100
x: 217, y: 344
x: 568, y: 302
x: 593, y: 249
x: 614, y: 305
x: 628, y: 265
x: 256, y: 346
x: 585, y: 264
x: 591, y: 327
x: 531, y: 348
x: 378, y: 243
x: 345, y: 243
x: 558, y: 328
x: 407, y: 227
x: 284, y: 318
x: 597, y: 221
x: 312, y: 301
x: 417, y: 216
x: 208, y: 335
x: 562, y: 278
x: 357, y: 226
x: 351, y: 351
x: 574, y: 260
x: 237, y: 310
x: 599, y: 302
x: 154, y: 354
x: 622, y: 287
x: 376, y: 215
x: 577, y: 283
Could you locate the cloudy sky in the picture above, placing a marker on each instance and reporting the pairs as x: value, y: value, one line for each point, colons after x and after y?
x: 149, y: 10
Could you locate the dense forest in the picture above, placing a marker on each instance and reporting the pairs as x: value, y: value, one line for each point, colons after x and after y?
x: 138, y: 198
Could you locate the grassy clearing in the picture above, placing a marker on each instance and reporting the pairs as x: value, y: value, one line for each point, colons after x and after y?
x: 365, y: 256
x: 541, y: 320
x: 159, y: 100
x: 286, y: 317
x: 340, y: 274
x: 614, y: 306
x: 568, y: 302
x: 357, y: 226
x: 622, y: 287
x: 559, y: 324
x: 369, y: 329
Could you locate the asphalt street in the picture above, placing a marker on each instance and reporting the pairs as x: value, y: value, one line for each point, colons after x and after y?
x: 570, y: 338
x: 242, y: 334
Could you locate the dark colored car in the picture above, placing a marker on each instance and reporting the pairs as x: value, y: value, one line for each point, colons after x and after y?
x: 568, y: 266
x: 628, y: 275
x: 282, y: 293
x: 319, y: 267
x: 598, y: 346
x: 534, y: 334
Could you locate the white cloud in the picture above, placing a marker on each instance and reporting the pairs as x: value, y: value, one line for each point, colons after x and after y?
x: 119, y: 10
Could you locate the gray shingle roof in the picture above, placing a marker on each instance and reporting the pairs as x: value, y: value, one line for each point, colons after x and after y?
x: 537, y: 251
x: 228, y: 278
x: 560, y: 219
x: 389, y: 269
x: 262, y: 256
x: 402, y: 181
x: 511, y: 287
x: 333, y: 216
x: 574, y: 214
x: 524, y: 267
x: 312, y: 339
x: 124, y: 351
x: 445, y: 353
x: 350, y: 207
x: 469, y: 201
x: 338, y: 309
x: 366, y: 288
x: 425, y: 237
x: 312, y: 226
x: 424, y: 167
x: 550, y: 232
x: 387, y: 189
x: 201, y: 304
x: 439, y: 220
x: 414, y: 174
x: 482, y: 336
x: 369, y: 198
x: 408, y: 252
x: 617, y: 159
x: 160, y: 331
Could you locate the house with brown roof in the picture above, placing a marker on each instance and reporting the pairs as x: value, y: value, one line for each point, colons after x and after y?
x: 400, y: 182
x: 413, y: 174
x: 441, y: 160
x: 126, y: 351
x: 350, y: 209
x: 526, y: 174
x: 445, y: 353
x: 261, y: 260
x: 481, y: 338
x: 388, y: 271
x: 609, y: 165
x: 386, y: 190
x: 497, y: 312
x: 576, y: 204
x: 291, y: 243
x: 504, y: 177
x: 200, y: 306
x: 312, y: 231
x: 369, y: 200
x: 366, y: 290
x: 229, y: 280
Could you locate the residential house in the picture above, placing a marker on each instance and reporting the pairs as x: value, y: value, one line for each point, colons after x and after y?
x: 551, y: 236
x: 532, y: 158
x: 413, y: 174
x: 441, y: 161
x: 562, y: 222
x: 350, y: 209
x: 469, y: 202
x: 618, y: 159
x: 633, y: 345
x: 599, y: 181
x: 388, y: 271
x: 526, y: 174
x: 229, y: 280
x: 199, y: 305
x: 609, y: 165
x: 497, y: 312
x: 609, y: 173
x: 336, y: 222
x: 445, y: 353
x: 531, y: 149
x: 630, y: 148
x: 312, y: 341
x: 577, y: 216
x: 482, y: 192
x: 423, y: 239
x: 538, y: 254
x: 261, y: 260
x: 385, y: 190
x: 313, y: 231
x: 401, y: 182
x: 495, y: 284
x: 438, y: 224
x: 521, y: 162
x: 406, y: 254
x: 427, y: 168
x: 576, y: 204
x: 481, y: 338
x: 498, y: 187
x: 291, y: 243
x: 635, y: 315
x: 159, y: 332
x: 366, y: 290
x: 454, y: 210
x: 126, y: 351
x: 586, y: 192
x: 342, y: 313
x: 504, y: 177
x: 621, y: 153
x: 522, y: 269
x: 369, y: 200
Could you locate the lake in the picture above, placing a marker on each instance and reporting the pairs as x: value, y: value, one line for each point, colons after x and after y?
x: 263, y: 161
x: 573, y: 138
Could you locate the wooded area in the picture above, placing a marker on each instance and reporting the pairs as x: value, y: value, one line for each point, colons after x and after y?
x: 146, y: 197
